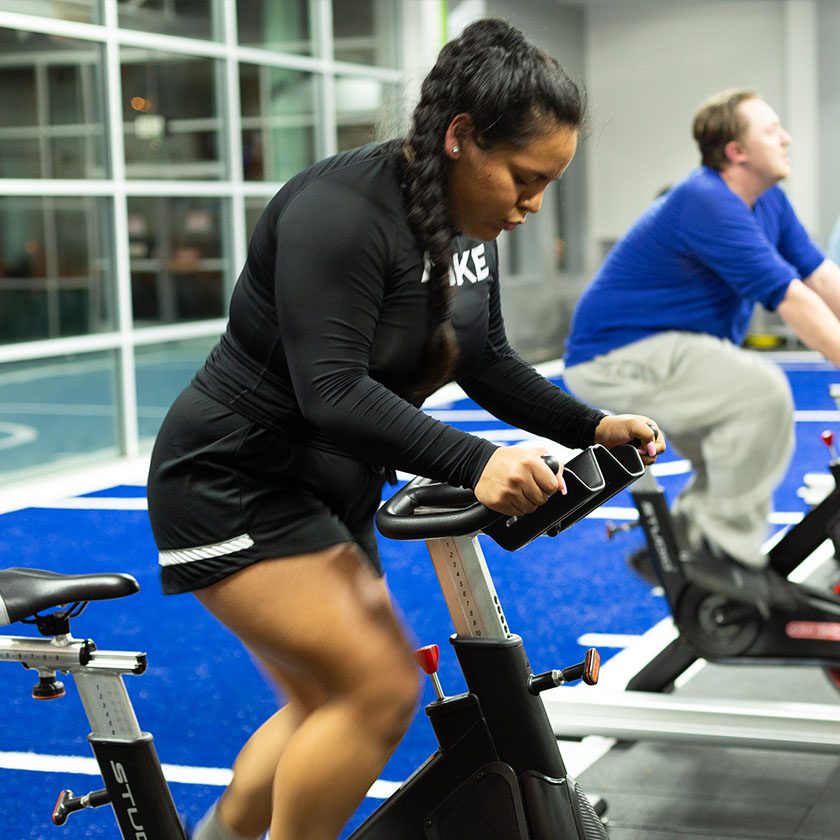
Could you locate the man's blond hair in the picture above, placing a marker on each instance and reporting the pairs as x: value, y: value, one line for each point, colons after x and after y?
x: 718, y: 122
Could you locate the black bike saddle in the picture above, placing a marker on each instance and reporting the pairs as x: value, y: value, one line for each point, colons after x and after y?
x: 24, y: 592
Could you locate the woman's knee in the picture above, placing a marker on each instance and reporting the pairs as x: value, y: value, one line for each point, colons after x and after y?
x: 390, y: 708
x: 387, y: 692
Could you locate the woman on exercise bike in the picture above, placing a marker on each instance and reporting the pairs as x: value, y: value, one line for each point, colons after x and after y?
x: 371, y: 279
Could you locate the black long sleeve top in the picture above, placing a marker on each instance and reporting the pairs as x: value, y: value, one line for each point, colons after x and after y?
x: 328, y: 321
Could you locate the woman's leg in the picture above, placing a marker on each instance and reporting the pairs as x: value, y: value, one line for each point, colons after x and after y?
x: 324, y: 625
x: 245, y: 806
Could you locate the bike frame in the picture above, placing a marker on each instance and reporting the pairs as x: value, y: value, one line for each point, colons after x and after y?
x: 127, y: 759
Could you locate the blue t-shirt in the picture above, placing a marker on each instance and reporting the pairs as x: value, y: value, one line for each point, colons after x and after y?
x: 696, y: 261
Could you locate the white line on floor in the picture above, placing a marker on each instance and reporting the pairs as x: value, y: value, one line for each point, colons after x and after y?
x: 97, y: 503
x: 182, y: 774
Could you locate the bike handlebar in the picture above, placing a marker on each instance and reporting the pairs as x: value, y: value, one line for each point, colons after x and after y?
x: 592, y: 477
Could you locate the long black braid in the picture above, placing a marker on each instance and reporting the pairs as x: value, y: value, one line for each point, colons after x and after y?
x: 513, y: 91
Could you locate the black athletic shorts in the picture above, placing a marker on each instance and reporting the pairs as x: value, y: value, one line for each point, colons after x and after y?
x: 224, y: 492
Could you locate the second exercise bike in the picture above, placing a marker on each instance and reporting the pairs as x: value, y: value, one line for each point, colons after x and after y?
x: 725, y: 613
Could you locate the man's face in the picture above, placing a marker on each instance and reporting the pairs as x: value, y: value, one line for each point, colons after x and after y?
x: 764, y: 144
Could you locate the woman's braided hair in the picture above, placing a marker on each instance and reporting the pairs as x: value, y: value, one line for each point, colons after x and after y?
x: 513, y: 91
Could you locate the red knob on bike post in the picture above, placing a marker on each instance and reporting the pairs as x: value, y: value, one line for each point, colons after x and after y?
x: 827, y: 437
x: 427, y: 658
x: 591, y: 666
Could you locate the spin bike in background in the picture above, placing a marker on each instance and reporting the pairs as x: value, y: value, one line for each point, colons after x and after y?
x: 724, y: 613
x: 497, y: 773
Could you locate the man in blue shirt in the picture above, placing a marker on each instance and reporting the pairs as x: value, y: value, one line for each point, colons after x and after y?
x: 660, y: 326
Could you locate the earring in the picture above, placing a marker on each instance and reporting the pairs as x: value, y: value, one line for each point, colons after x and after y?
x: 456, y: 150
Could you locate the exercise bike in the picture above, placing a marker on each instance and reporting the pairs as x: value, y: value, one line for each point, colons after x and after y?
x: 724, y: 613
x: 497, y: 774
x: 134, y: 783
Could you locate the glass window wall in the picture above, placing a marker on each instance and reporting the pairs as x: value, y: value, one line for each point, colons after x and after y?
x: 284, y: 27
x: 365, y: 32
x: 187, y: 18
x: 118, y: 249
x: 179, y: 258
x: 254, y: 205
x: 162, y: 372
x: 278, y: 121
x: 80, y: 11
x: 56, y: 268
x: 56, y: 411
x: 366, y: 110
x: 51, y: 107
x: 172, y: 115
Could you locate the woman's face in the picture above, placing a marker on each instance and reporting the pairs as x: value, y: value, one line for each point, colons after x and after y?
x: 491, y: 190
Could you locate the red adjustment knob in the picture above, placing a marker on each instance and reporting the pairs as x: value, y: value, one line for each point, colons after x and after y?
x: 591, y: 666
x: 427, y: 658
x: 827, y: 437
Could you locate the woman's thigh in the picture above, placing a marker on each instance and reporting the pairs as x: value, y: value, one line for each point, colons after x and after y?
x: 322, y: 619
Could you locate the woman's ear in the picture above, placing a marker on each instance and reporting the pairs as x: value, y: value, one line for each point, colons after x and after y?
x: 457, y: 134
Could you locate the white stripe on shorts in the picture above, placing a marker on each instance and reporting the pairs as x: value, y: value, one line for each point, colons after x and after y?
x: 203, y: 552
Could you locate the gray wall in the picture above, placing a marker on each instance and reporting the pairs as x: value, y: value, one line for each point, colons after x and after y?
x: 650, y: 63
x: 828, y: 81
x: 647, y: 65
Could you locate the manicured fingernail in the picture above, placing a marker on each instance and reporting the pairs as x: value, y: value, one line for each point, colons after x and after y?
x: 651, y: 449
x: 562, y: 485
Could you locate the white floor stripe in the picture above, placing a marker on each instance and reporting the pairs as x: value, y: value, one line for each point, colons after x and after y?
x: 140, y: 503
x: 70, y: 480
x: 827, y: 416
x: 824, y: 553
x: 85, y: 766
x: 671, y: 467
x: 178, y: 773
x: 97, y: 503
x: 611, y: 640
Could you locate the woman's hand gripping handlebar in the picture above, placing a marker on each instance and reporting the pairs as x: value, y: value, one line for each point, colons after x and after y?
x: 634, y: 429
x: 425, y: 509
x: 516, y: 480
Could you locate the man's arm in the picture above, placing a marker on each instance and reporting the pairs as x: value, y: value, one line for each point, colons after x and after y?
x: 810, y: 317
x: 825, y: 281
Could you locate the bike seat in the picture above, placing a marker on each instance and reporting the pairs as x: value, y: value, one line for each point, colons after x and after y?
x: 24, y: 592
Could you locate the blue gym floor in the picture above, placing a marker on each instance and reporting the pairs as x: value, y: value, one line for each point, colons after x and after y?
x: 201, y: 696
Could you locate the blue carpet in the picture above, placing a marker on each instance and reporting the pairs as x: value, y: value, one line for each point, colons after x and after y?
x: 202, y: 696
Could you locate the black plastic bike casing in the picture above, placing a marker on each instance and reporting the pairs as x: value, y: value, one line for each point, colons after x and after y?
x: 139, y: 794
x: 497, y: 671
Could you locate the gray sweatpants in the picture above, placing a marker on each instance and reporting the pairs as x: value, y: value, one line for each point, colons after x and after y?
x: 725, y: 409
